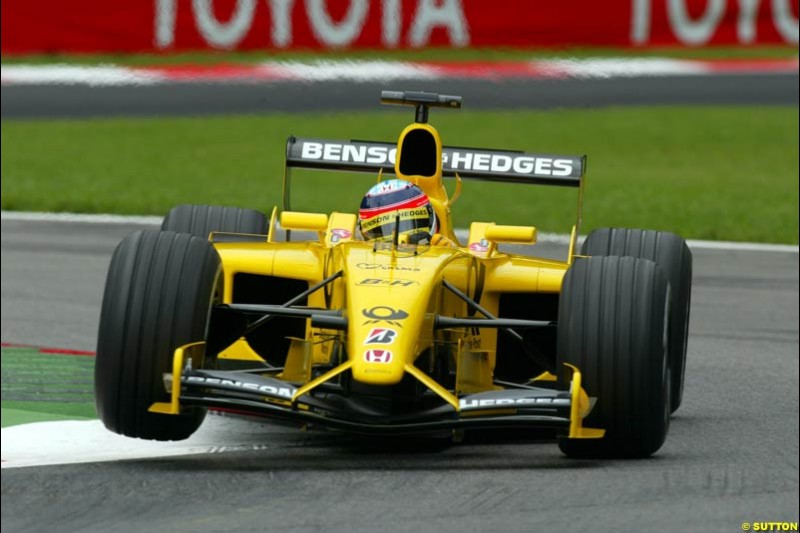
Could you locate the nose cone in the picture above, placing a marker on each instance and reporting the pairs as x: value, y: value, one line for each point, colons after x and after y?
x: 388, y: 300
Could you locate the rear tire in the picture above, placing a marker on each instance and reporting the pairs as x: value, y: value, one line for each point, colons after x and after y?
x: 613, y: 325
x: 201, y: 220
x: 158, y: 296
x: 671, y: 253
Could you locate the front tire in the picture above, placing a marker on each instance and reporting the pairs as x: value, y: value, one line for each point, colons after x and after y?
x: 613, y: 325
x: 201, y: 220
x: 158, y: 296
x: 671, y: 253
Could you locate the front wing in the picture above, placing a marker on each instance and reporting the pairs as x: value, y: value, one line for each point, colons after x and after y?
x: 253, y: 393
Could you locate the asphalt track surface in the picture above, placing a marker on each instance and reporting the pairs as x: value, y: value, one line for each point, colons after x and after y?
x: 731, y: 455
x: 191, y: 99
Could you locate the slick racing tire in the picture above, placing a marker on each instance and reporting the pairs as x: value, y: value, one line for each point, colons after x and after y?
x: 201, y: 220
x: 613, y: 325
x: 671, y: 253
x: 158, y: 296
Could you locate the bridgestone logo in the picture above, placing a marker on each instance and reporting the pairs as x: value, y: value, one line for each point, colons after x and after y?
x: 283, y: 392
x: 511, y: 402
x: 380, y: 336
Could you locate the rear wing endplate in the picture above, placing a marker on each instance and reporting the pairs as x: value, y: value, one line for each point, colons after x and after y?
x: 472, y: 163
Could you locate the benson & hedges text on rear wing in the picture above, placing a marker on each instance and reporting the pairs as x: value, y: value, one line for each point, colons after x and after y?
x: 475, y: 163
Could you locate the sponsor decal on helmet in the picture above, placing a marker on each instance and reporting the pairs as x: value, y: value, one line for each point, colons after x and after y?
x: 378, y: 356
x: 386, y: 218
x: 389, y: 186
x: 381, y: 336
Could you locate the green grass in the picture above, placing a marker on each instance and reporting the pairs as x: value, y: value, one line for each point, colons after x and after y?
x: 39, y: 387
x: 29, y: 412
x: 727, y: 173
x: 428, y: 54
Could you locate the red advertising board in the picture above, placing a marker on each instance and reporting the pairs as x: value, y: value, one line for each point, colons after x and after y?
x: 49, y: 26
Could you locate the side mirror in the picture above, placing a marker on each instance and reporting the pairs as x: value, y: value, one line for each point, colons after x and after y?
x: 511, y: 234
x: 304, y: 221
x: 295, y: 220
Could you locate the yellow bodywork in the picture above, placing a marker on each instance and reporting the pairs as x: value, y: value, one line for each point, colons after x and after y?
x: 390, y: 296
x: 387, y: 289
x: 193, y: 351
x: 580, y: 408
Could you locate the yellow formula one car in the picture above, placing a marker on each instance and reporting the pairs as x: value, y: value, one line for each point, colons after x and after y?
x: 407, y: 331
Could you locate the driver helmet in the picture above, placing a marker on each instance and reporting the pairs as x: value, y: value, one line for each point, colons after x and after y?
x: 389, y: 199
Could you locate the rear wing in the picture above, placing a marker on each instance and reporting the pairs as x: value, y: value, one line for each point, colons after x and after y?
x: 472, y: 163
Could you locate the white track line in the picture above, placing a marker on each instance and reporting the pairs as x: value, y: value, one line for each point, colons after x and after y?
x: 747, y: 246
x: 87, y: 441
x: 364, y: 70
x: 627, y: 68
x: 462, y: 233
x: 95, y: 76
x: 79, y: 217
x: 360, y: 71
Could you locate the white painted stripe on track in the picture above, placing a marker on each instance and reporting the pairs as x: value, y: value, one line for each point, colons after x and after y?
x: 366, y: 70
x: 88, y: 441
x: 362, y: 71
x: 615, y: 67
x: 79, y: 217
x: 462, y: 234
x: 101, y: 75
x: 743, y: 246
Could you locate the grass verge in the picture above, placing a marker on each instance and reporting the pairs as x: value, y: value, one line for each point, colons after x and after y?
x: 40, y: 387
x: 728, y: 173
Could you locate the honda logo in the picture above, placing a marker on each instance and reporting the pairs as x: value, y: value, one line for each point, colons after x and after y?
x: 378, y: 356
